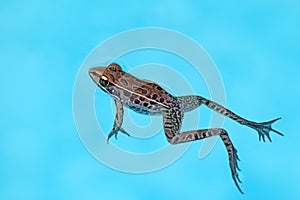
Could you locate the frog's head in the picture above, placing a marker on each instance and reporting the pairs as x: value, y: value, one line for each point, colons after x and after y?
x: 104, y: 76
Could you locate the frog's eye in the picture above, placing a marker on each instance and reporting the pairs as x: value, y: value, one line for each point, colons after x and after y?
x: 114, y: 67
x: 104, y: 81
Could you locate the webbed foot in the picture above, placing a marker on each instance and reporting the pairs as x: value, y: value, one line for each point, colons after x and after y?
x: 234, y: 167
x: 264, y: 129
x: 114, y: 132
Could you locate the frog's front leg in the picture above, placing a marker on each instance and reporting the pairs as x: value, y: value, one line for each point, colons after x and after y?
x: 172, y: 124
x: 118, y: 122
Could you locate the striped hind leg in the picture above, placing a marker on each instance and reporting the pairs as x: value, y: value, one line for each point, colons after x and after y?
x: 188, y: 103
x: 172, y: 123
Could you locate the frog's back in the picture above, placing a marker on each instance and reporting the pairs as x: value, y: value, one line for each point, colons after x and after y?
x: 141, y: 95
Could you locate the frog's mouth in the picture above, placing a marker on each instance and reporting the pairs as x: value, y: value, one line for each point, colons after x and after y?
x: 96, y: 73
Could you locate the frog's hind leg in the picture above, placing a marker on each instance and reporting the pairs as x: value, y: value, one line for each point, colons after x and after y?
x: 263, y: 128
x: 188, y: 103
x: 172, y: 124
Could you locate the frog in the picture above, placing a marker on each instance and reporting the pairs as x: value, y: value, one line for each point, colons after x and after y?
x: 149, y: 98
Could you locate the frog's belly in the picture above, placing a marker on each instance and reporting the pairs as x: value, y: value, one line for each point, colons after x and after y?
x: 144, y: 110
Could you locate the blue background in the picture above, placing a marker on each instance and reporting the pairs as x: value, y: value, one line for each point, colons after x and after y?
x: 42, y: 45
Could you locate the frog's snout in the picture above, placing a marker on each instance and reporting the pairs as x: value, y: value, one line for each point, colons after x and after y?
x: 97, y: 70
x: 96, y: 73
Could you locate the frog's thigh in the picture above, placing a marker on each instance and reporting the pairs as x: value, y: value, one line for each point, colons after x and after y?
x: 172, y: 122
x: 188, y: 103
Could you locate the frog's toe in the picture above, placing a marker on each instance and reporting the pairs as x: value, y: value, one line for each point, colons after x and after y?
x: 113, y: 132
x: 125, y: 132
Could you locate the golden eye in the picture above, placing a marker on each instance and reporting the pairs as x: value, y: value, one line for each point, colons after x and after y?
x: 104, y: 81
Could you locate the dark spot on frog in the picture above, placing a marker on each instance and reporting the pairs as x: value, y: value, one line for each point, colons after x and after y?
x: 132, y: 107
x: 140, y: 90
x: 161, y: 100
x: 152, y: 102
x: 159, y: 88
x: 144, y: 91
x: 142, y: 98
x: 137, y: 89
x: 145, y: 104
x: 154, y: 96
x: 136, y: 101
x: 190, y: 136
x: 143, y: 111
x: 135, y: 108
x: 149, y: 83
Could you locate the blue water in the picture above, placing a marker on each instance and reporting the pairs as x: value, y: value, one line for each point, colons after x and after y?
x: 254, y: 44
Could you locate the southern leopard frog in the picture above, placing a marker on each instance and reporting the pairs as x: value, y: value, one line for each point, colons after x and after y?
x: 149, y: 98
